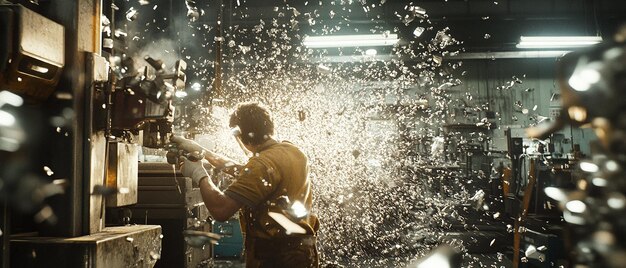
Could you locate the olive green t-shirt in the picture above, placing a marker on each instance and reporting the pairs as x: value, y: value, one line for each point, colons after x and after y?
x: 278, y: 169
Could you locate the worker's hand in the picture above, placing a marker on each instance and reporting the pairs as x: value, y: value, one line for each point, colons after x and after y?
x: 186, y: 145
x: 193, y: 169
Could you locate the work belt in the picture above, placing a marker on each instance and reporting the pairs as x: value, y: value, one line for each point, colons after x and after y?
x: 280, y: 246
x: 284, y: 242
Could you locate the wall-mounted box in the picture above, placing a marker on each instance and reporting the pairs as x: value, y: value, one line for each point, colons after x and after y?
x: 32, y: 52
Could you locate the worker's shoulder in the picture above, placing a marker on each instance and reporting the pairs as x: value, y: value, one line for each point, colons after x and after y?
x: 281, y: 148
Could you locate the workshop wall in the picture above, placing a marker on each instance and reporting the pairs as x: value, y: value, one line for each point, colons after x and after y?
x: 521, y: 92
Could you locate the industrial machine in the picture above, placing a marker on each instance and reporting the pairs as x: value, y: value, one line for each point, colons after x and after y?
x: 543, y: 182
x: 32, y: 57
x: 591, y: 83
x: 168, y: 199
x: 533, y: 166
x: 73, y: 121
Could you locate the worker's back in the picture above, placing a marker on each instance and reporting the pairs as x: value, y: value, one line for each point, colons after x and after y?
x: 276, y: 171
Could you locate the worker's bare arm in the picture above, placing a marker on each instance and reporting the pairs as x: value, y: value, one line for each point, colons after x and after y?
x: 219, y: 205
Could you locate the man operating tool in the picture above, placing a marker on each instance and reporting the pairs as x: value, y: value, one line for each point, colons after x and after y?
x: 272, y: 192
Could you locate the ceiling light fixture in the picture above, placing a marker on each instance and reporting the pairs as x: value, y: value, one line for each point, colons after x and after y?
x: 557, y: 41
x: 370, y: 40
x: 371, y: 52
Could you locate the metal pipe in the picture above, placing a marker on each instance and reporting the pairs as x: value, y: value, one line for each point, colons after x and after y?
x: 217, y: 83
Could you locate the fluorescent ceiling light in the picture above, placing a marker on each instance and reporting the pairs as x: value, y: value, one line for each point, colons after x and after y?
x: 520, y: 54
x: 370, y: 40
x: 371, y: 52
x: 7, y: 97
x: 558, y: 41
x: 6, y: 119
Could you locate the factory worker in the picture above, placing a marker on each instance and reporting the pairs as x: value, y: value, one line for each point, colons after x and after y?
x: 272, y: 192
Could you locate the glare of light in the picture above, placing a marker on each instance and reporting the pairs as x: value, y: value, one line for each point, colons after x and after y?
x: 6, y: 119
x: 555, y: 193
x: 573, y: 218
x: 616, y: 201
x: 123, y: 190
x: 289, y: 226
x: 557, y: 41
x: 60, y: 182
x: 605, y: 238
x: 10, y: 98
x: 578, y: 84
x: 63, y: 96
x: 576, y: 206
x: 436, y: 260
x: 372, y: 40
x: 181, y: 94
x: 196, y: 86
x: 592, y: 76
x: 589, y: 167
x: 600, y: 182
x: 39, y: 69
x: 9, y: 144
x: 613, y: 53
x: 601, y: 133
x: 371, y: 52
x: 583, y: 79
x: 611, y: 166
x: 298, y: 209
x: 577, y: 113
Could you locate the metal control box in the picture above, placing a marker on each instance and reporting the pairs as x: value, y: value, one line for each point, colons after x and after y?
x: 231, y: 244
x: 114, y: 247
x: 34, y: 52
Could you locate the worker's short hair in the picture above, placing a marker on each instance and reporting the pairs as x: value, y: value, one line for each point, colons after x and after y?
x: 254, y: 122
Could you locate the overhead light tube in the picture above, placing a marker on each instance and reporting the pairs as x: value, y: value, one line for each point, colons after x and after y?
x: 557, y: 41
x: 370, y: 40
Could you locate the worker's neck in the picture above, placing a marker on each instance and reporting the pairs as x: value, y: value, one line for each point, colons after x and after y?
x: 259, y: 147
